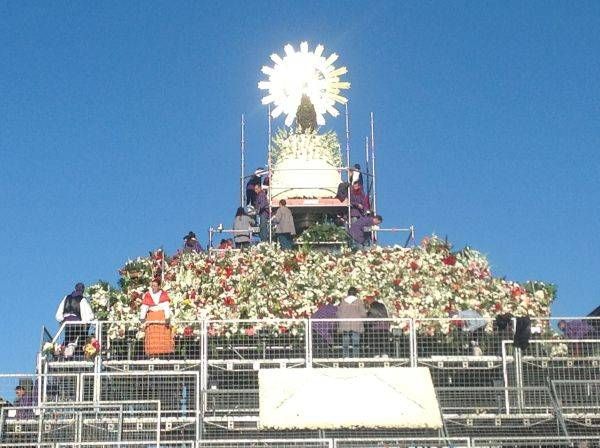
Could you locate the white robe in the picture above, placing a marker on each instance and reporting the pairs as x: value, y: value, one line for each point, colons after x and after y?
x: 164, y: 306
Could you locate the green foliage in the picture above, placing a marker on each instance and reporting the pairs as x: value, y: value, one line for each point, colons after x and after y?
x: 326, y: 232
x: 549, y: 289
x: 135, y: 273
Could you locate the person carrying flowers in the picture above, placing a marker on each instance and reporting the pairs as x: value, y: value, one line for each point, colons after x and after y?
x: 156, y: 312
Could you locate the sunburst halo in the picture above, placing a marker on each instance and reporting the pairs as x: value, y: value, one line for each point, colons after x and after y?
x: 300, y: 73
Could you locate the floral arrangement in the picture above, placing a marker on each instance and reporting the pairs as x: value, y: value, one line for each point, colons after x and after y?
x: 91, y: 349
x: 324, y: 232
x: 306, y: 145
x: 51, y: 349
x: 264, y: 282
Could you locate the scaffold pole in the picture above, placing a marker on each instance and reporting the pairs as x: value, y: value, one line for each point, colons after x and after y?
x: 243, y: 160
x: 270, y: 173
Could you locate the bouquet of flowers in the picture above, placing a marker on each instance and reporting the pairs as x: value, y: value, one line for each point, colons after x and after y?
x: 52, y: 349
x: 91, y: 349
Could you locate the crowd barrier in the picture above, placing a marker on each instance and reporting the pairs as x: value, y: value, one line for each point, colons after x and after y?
x: 206, y: 387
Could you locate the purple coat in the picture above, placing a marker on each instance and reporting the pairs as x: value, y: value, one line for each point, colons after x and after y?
x: 359, y: 202
x: 261, y: 205
x: 357, y: 229
x: 327, y: 328
x: 26, y: 401
x: 577, y: 329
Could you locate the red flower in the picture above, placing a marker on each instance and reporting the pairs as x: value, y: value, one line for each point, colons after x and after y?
x: 416, y: 287
x: 450, y: 260
x: 397, y: 281
x: 228, y: 301
x: 457, y: 322
x: 414, y: 265
x: 517, y: 291
x: 188, y: 331
x: 283, y: 329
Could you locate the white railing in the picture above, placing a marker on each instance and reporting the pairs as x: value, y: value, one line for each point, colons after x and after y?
x: 403, y: 341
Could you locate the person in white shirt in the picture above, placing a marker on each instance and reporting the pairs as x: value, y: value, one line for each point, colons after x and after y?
x: 74, y: 307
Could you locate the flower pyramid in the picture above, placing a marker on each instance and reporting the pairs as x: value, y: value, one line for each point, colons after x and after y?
x: 264, y: 282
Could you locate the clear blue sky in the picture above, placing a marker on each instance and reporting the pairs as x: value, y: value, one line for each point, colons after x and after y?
x: 119, y: 132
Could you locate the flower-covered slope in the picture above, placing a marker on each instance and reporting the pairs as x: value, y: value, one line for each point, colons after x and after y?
x: 265, y: 282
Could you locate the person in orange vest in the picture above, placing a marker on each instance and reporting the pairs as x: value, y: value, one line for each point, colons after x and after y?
x: 156, y: 313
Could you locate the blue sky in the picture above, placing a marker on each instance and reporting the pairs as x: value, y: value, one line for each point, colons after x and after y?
x: 120, y: 132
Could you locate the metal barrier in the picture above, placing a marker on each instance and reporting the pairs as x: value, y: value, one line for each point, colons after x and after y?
x: 270, y: 443
x: 420, y: 442
x: 81, y: 422
x: 207, y: 385
x: 426, y: 340
x: 130, y: 444
x: 533, y: 442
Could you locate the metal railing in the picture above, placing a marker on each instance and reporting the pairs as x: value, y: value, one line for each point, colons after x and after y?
x: 484, y: 383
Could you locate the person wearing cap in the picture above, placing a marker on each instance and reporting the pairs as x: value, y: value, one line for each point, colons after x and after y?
x: 190, y: 243
x: 285, y: 228
x: 74, y: 307
x: 242, y: 224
